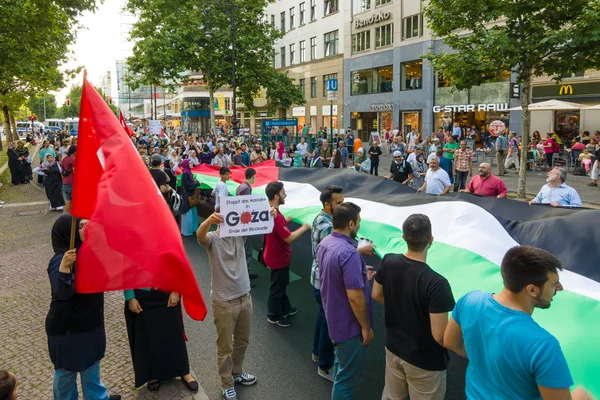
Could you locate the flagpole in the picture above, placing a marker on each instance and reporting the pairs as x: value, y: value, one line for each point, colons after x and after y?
x: 73, y: 231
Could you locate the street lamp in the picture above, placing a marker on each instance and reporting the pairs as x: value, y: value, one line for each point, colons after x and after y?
x: 208, y: 35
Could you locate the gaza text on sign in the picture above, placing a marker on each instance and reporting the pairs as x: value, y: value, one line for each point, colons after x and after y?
x: 245, y: 216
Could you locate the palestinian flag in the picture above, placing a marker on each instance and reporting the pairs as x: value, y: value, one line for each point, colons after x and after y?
x: 471, y: 236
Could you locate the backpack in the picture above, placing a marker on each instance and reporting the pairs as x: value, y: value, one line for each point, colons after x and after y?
x: 175, y: 203
x: 555, y: 146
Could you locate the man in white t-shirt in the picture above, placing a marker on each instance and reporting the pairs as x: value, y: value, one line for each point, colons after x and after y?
x: 437, y: 181
x: 221, y: 187
x: 395, y: 132
x: 302, y: 147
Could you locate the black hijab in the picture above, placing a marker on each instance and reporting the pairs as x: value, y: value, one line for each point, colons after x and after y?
x: 61, y: 234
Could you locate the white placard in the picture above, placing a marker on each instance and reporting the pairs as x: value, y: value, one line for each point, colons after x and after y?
x: 245, y: 216
x: 154, y: 127
x: 332, y: 95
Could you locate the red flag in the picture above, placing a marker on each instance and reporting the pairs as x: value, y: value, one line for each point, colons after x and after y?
x: 124, y: 124
x: 132, y: 240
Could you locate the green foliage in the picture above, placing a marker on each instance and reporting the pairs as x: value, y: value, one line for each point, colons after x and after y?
x: 36, y: 105
x: 72, y: 111
x: 171, y: 40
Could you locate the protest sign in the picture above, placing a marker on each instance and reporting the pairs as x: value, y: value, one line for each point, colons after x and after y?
x: 154, y: 127
x: 245, y: 216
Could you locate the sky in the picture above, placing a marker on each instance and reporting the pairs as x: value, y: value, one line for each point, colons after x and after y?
x: 100, y: 43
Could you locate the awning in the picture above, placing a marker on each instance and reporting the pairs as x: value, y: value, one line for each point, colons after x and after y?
x: 552, y: 105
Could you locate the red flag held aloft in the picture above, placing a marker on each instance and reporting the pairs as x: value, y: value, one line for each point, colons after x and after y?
x: 124, y: 124
x: 132, y: 240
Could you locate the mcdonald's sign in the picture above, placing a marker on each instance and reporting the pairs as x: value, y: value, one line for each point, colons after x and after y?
x: 565, y: 89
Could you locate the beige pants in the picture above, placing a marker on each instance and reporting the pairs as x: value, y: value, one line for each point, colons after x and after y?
x: 500, y: 160
x: 403, y: 379
x: 232, y: 320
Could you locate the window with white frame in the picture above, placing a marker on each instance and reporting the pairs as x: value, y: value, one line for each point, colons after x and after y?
x: 313, y: 48
x: 302, y: 51
x: 313, y: 87
x: 283, y: 22
x: 411, y: 26
x: 292, y: 53
x: 313, y: 10
x: 384, y: 35
x: 325, y: 83
x: 361, y: 41
x: 302, y: 13
x: 292, y: 16
x: 359, y: 6
x: 331, y: 43
x: 331, y: 6
x: 382, y: 2
x: 273, y: 21
x: 282, y: 54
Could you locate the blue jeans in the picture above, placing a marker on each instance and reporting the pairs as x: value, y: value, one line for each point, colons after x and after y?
x: 349, y: 367
x: 322, y: 344
x: 65, y: 384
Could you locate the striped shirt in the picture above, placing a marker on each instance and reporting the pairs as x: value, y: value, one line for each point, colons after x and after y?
x: 463, y: 159
x: 321, y: 228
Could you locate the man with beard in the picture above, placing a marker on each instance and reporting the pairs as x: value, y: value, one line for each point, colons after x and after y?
x: 278, y: 256
x: 346, y: 295
x: 510, y: 355
x: 400, y: 170
x: 556, y: 192
x: 486, y: 184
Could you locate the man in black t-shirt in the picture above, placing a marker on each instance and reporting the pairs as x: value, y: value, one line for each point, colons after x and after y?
x: 417, y: 302
x: 160, y: 177
x: 400, y: 170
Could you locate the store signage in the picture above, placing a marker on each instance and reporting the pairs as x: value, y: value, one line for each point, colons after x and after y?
x: 332, y: 95
x: 329, y: 110
x: 373, y: 19
x: 515, y: 91
x: 471, y: 107
x: 565, y: 89
x: 299, y: 111
x: 382, y: 107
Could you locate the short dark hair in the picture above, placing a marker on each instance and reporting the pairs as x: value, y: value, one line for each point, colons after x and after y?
x: 273, y: 189
x: 527, y: 265
x: 238, y: 148
x: 250, y: 172
x: 345, y: 213
x: 328, y: 192
x: 416, y: 231
x: 224, y: 170
x: 8, y: 382
x: 72, y: 149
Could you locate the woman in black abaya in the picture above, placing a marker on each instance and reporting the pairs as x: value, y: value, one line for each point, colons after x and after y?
x: 52, y: 182
x: 156, y: 338
x: 15, y: 164
x: 25, y: 160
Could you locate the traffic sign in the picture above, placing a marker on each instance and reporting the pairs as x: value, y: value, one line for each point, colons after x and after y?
x: 332, y: 95
x: 332, y: 85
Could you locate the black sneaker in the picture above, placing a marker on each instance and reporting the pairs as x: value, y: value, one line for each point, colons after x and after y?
x: 293, y: 311
x: 245, y: 379
x: 283, y: 322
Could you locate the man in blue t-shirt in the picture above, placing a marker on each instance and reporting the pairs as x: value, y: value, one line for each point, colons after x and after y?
x: 510, y: 355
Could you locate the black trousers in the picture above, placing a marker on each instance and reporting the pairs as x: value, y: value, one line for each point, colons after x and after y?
x: 461, y: 180
x: 278, y: 303
x: 374, y: 167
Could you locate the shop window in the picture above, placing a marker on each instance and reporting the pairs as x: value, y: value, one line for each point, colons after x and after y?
x: 375, y: 80
x: 313, y: 87
x: 282, y: 53
x: 411, y: 26
x: 313, y: 48
x: 361, y: 41
x: 412, y: 75
x: 302, y: 51
x: 302, y: 13
x: 313, y: 10
x: 359, y: 6
x: 302, y: 86
x: 382, y: 2
x: 331, y: 43
x: 331, y: 6
x: 282, y: 22
x: 325, y: 79
x: 292, y: 18
x: 292, y: 53
x: 384, y: 35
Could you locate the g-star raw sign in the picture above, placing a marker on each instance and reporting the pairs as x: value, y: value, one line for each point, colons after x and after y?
x: 245, y: 216
x: 373, y: 19
x: 471, y: 107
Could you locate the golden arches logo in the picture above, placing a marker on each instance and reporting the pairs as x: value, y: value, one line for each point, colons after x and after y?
x: 566, y: 89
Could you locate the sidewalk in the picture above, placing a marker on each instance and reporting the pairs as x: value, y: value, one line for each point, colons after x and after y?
x: 535, y: 181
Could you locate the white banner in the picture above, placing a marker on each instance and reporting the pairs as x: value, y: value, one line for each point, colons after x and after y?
x: 245, y: 216
x: 154, y: 127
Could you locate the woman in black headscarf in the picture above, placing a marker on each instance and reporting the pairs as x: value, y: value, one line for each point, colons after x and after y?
x: 23, y: 153
x: 52, y: 174
x: 75, y: 322
x: 15, y: 164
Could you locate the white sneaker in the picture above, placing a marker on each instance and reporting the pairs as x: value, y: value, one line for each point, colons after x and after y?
x: 327, y: 374
x: 1, y: 202
x: 229, y: 394
x: 60, y: 208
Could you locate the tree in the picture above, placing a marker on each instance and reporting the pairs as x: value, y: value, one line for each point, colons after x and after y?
x: 72, y: 111
x: 47, y: 102
x: 528, y: 37
x: 172, y: 41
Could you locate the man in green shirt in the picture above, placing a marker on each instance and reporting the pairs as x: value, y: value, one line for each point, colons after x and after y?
x: 449, y: 150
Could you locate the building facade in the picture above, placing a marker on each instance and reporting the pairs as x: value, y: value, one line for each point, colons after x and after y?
x: 311, y: 52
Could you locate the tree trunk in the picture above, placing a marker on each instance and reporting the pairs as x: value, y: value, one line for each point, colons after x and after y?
x: 525, y: 128
x: 213, y: 122
x: 15, y: 135
x: 7, y: 124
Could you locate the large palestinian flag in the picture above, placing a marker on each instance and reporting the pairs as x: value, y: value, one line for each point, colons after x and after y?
x: 471, y: 235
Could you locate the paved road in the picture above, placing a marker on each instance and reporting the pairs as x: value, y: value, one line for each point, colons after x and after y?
x: 281, y: 357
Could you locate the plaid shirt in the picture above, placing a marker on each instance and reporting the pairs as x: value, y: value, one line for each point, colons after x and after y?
x: 321, y: 228
x: 463, y: 159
